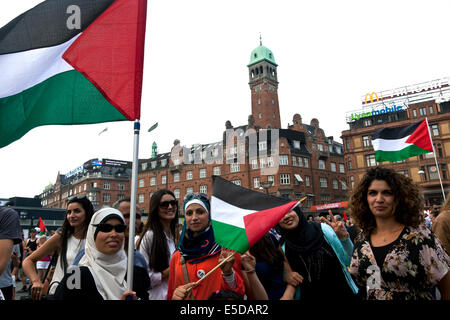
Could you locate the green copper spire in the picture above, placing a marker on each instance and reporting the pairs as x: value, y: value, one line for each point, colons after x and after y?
x: 261, y: 53
x: 154, y: 149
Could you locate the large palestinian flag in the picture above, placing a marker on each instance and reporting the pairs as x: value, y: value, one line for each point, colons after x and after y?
x: 240, y: 217
x: 71, y: 62
x: 396, y: 144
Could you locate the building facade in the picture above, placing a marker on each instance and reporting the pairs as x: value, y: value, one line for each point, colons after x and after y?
x: 103, y: 181
x: 297, y: 161
x: 396, y: 108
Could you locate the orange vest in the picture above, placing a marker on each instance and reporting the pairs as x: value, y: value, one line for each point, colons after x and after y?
x: 211, y: 284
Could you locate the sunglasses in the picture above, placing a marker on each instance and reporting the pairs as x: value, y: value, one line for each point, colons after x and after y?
x: 127, y: 216
x: 83, y: 196
x: 106, y: 227
x: 199, y: 195
x: 165, y: 204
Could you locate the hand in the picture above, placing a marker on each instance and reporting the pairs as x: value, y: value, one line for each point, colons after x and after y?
x: 293, y: 278
x: 227, y: 267
x: 248, y: 261
x: 338, y: 226
x: 127, y: 293
x: 182, y: 292
x: 36, y: 290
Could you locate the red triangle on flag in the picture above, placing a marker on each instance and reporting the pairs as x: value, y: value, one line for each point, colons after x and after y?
x: 110, y: 54
x: 421, y: 137
x: 257, y: 224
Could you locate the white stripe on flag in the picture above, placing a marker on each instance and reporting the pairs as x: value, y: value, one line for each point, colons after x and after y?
x: 227, y: 213
x: 23, y: 70
x: 390, y: 145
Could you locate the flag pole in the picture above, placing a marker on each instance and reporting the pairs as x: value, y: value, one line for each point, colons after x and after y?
x: 435, y: 159
x: 131, y: 227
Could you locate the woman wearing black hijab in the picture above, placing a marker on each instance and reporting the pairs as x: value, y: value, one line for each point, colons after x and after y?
x: 321, y: 254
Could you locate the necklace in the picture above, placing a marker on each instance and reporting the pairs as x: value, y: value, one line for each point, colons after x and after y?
x: 388, y: 235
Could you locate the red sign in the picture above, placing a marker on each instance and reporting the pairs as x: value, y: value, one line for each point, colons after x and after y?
x: 327, y: 206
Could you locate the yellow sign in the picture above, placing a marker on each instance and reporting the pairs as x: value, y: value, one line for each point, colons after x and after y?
x: 370, y: 95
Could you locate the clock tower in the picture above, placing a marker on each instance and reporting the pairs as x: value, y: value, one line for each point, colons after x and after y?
x: 264, y: 88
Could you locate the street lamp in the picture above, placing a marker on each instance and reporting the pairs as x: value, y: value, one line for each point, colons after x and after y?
x: 266, y: 185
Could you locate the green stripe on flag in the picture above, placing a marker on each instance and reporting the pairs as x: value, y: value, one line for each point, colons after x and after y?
x: 399, y: 155
x: 66, y: 98
x: 231, y: 237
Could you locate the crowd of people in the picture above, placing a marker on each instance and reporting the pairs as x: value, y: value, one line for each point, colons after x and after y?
x: 390, y: 251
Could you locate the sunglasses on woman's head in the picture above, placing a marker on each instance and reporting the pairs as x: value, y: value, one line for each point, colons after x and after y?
x: 106, y: 227
x: 165, y: 204
x: 83, y: 196
x: 200, y: 195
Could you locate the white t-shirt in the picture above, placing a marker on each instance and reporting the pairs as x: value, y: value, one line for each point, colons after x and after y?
x: 74, y: 246
x: 159, y: 287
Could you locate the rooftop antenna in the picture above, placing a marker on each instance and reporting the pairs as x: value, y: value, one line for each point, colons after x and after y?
x: 260, y: 39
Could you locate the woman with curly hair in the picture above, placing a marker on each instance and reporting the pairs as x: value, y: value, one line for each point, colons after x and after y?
x: 396, y: 257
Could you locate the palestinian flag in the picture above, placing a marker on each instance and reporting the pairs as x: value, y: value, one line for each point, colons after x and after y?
x: 240, y: 217
x: 42, y: 226
x: 396, y: 144
x: 71, y: 62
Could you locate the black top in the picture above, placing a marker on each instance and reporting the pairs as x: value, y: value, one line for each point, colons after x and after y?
x: 380, y: 253
x: 87, y: 290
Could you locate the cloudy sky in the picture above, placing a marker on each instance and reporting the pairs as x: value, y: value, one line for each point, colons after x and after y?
x: 329, y: 54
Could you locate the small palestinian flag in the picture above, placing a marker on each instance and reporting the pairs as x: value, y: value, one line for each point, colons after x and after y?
x: 240, y: 217
x: 396, y: 144
x: 71, y: 62
x: 42, y: 226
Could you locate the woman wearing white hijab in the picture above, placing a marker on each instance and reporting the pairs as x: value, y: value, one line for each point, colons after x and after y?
x: 104, y: 265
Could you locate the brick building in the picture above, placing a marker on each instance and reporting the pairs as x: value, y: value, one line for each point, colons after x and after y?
x: 296, y: 161
x: 400, y: 107
x: 103, y: 181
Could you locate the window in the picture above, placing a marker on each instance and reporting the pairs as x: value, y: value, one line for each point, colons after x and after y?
x: 106, y: 197
x: 323, y: 182
x: 153, y: 181
x: 271, y: 179
x: 203, y: 173
x: 335, y: 184
x: 344, y: 185
x: 341, y: 168
x: 153, y: 164
x: 203, y: 189
x: 367, y: 122
x: 285, y: 178
x: 176, y: 193
x: 306, y: 162
x: 414, y: 113
x: 189, y: 190
x: 338, y: 150
x: 236, y: 182
x: 284, y: 160
x: 435, y: 130
x: 423, y: 111
x: 294, y: 161
x: 307, y: 181
x: 85, y: 186
x: 144, y: 166
x: 262, y: 163
x: 176, y: 177
x: 367, y: 141
x: 430, y: 109
x: 164, y: 179
x: 256, y: 182
x: 106, y: 185
x: 347, y: 143
x: 234, y: 167
x: 216, y: 171
x: 141, y: 183
x: 254, y: 163
x: 322, y: 164
x: 163, y: 162
x: 120, y: 186
x: 262, y: 145
x: 188, y: 175
x: 270, y: 163
x: 349, y: 163
x: 352, y: 181
x: 319, y: 147
x: 370, y: 160
x: 333, y: 167
x: 296, y: 144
